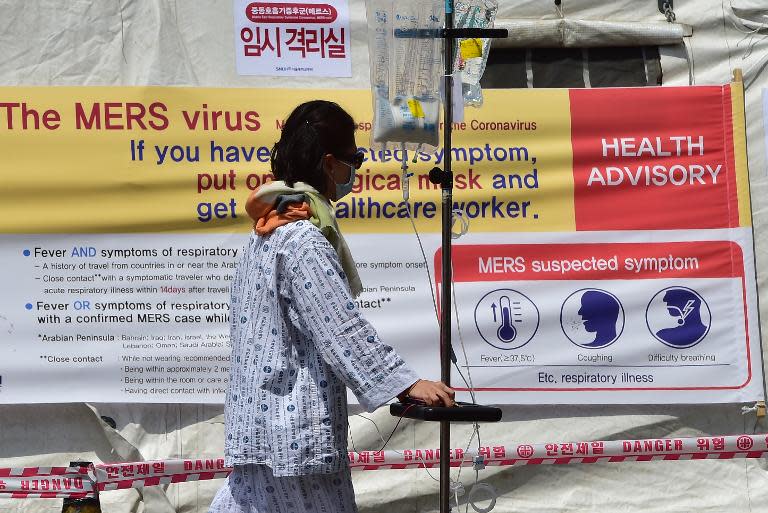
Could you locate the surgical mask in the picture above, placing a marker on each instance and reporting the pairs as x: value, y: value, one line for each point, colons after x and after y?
x: 342, y: 189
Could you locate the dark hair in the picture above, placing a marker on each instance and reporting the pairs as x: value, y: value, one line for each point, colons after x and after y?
x: 312, y: 130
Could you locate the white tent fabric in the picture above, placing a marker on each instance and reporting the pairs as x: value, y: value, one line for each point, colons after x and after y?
x: 191, y: 43
x: 572, y: 33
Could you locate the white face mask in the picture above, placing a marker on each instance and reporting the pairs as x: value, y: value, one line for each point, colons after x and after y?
x: 342, y: 189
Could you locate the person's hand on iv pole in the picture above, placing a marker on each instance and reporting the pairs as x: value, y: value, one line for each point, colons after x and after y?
x: 431, y: 393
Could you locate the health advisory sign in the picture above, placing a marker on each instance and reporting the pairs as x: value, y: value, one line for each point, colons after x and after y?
x: 608, y: 257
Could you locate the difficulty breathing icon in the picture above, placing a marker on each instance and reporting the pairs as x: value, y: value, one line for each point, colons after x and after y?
x: 687, y: 309
x: 679, y: 317
x: 507, y: 332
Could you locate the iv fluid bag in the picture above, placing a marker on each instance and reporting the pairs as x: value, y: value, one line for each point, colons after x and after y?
x: 472, y: 53
x: 405, y: 72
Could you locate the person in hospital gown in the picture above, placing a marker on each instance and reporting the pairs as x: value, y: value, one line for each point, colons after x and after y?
x: 298, y: 338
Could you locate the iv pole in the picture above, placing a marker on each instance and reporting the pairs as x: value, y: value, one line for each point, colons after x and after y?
x: 446, y: 349
x: 444, y: 177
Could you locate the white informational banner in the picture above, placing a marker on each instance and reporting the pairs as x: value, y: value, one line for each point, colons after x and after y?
x: 609, y: 255
x: 145, y: 317
x: 765, y: 121
x: 667, y: 321
x: 293, y: 38
x: 134, y: 318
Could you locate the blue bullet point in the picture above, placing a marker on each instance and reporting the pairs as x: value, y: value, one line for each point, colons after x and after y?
x: 26, y: 252
x: 28, y: 306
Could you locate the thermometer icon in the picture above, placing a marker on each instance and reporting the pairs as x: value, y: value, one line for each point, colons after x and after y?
x: 506, y: 331
x: 506, y: 319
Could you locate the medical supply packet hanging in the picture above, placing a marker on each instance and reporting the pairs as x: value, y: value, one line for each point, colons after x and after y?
x: 472, y: 53
x: 405, y: 72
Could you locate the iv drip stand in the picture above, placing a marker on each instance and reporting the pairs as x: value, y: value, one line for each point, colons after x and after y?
x: 446, y: 348
x: 444, y: 177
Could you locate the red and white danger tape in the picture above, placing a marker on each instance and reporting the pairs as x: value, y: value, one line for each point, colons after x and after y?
x: 73, y: 482
x: 716, y: 447
x: 41, y: 471
x: 71, y: 486
x: 141, y: 482
x: 120, y: 472
x: 116, y: 476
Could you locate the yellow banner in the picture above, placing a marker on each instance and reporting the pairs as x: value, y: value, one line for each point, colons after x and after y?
x: 100, y: 160
x: 159, y: 159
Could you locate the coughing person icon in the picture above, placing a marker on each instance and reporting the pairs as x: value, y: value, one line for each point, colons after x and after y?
x: 599, y: 313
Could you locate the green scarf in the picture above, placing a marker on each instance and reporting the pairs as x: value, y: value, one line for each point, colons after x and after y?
x: 322, y: 217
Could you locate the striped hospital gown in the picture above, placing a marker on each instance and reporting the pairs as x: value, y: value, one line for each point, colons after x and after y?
x: 253, y: 489
x: 297, y: 340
